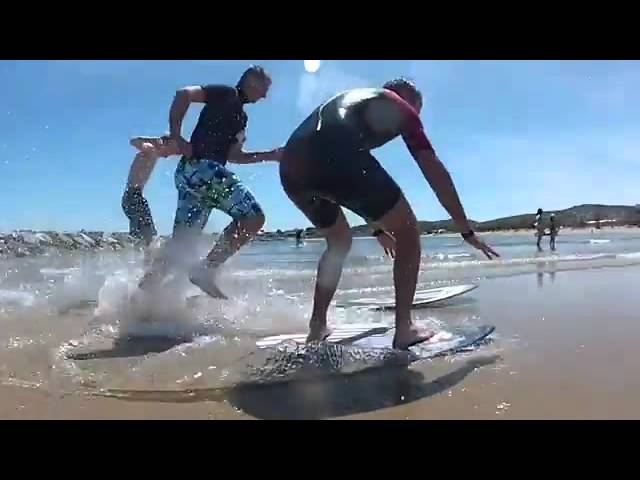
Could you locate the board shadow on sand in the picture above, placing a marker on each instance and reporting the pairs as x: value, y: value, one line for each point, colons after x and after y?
x: 346, y: 395
x: 320, y: 399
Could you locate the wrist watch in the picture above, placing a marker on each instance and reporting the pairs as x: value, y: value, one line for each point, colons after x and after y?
x: 468, y: 234
x: 377, y: 233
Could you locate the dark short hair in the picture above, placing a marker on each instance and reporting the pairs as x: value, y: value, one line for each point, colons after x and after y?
x: 256, y: 71
x: 398, y: 85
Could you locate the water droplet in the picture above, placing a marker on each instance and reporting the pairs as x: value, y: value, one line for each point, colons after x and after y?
x: 503, y: 406
x: 197, y: 375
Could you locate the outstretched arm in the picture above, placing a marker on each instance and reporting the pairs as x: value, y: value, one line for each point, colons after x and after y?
x: 237, y: 155
x: 440, y: 181
x: 144, y: 143
x: 141, y: 169
x: 438, y: 178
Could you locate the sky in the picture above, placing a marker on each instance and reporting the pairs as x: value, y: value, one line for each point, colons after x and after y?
x: 515, y: 135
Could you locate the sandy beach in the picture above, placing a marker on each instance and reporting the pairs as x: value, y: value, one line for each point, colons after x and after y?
x: 564, y: 347
x: 171, y: 227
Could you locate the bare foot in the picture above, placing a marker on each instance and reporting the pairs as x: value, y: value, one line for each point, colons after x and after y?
x: 404, y: 339
x: 202, y: 278
x: 318, y: 333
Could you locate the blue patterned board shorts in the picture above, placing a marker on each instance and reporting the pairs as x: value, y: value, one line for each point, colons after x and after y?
x: 207, y: 184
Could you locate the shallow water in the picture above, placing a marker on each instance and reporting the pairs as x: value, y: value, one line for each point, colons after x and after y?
x: 66, y: 320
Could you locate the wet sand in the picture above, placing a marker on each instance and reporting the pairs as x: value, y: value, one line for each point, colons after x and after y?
x: 566, y: 348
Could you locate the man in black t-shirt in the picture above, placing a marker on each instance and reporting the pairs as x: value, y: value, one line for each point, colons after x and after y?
x: 202, y: 179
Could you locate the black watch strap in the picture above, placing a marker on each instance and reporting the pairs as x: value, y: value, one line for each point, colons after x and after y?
x: 468, y: 234
x: 377, y: 233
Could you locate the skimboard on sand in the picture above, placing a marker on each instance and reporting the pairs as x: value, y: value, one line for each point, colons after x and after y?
x: 344, y: 334
x: 372, y: 337
x: 421, y: 299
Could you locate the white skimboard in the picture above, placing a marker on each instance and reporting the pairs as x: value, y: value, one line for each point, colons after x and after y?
x: 421, y: 299
x: 372, y: 338
x: 344, y: 334
x: 449, y: 340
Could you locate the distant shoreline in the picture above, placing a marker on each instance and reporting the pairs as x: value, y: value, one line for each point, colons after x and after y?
x: 628, y: 229
x: 28, y: 243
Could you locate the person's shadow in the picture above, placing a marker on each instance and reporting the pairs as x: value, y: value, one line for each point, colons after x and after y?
x: 346, y: 395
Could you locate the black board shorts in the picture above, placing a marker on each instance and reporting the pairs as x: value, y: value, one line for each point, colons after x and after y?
x: 322, y: 172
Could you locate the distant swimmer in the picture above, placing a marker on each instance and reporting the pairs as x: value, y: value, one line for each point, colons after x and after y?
x: 327, y: 165
x: 134, y: 204
x: 553, y: 231
x: 539, y: 226
x: 202, y: 179
x: 299, y: 240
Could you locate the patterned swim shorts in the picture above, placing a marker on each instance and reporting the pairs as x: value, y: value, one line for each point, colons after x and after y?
x: 207, y: 184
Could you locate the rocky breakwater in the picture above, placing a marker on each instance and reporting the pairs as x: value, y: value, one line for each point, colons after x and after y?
x: 23, y: 243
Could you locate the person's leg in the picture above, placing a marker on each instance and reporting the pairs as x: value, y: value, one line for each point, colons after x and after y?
x: 137, y: 210
x: 401, y: 222
x: 228, y: 194
x: 388, y: 209
x: 300, y: 176
x: 234, y: 237
x: 190, y: 218
x: 338, y: 238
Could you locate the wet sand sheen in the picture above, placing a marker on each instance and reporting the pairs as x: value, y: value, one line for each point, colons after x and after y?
x: 565, y: 348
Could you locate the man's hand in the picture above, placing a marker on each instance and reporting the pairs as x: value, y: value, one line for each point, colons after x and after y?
x: 478, y: 243
x: 147, y: 147
x: 144, y: 144
x: 236, y: 155
x: 276, y: 155
x: 388, y: 243
x: 184, y: 147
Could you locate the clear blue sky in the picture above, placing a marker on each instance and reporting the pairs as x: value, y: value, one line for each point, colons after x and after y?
x: 516, y: 135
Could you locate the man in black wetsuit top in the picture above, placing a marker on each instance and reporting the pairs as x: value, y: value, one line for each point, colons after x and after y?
x: 327, y: 164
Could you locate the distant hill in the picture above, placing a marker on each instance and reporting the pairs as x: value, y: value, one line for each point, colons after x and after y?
x: 575, y: 217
